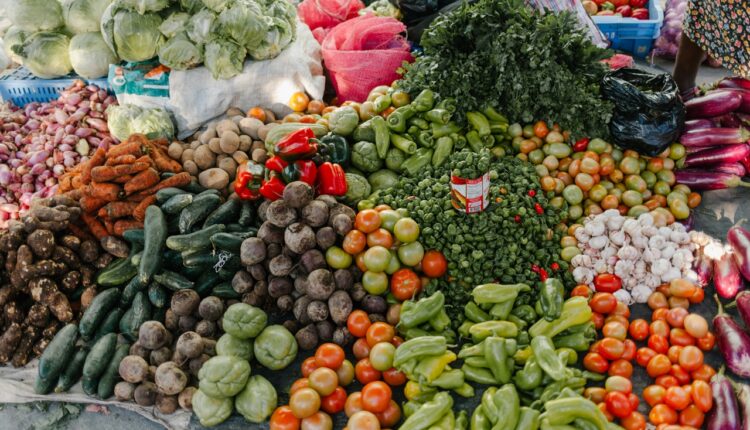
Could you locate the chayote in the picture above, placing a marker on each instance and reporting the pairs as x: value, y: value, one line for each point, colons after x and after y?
x: 223, y: 375
x: 230, y: 345
x: 275, y: 348
x: 257, y: 401
x: 211, y: 410
x: 343, y: 120
x: 244, y: 321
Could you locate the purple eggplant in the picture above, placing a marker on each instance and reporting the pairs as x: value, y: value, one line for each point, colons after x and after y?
x: 698, y: 124
x: 743, y: 398
x: 723, y: 154
x: 735, y: 82
x: 727, y: 279
x: 730, y: 120
x: 714, y: 136
x: 739, y: 240
x: 730, y: 168
x: 742, y: 301
x: 702, y: 181
x: 716, y: 103
x: 734, y: 343
x: 726, y: 413
x: 704, y: 268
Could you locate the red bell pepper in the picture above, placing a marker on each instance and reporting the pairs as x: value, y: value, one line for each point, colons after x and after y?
x: 298, y: 145
x: 272, y: 188
x: 301, y: 170
x: 581, y: 145
x: 640, y: 13
x: 625, y: 10
x: 276, y: 164
x: 248, y: 180
x: 331, y: 179
x: 638, y: 3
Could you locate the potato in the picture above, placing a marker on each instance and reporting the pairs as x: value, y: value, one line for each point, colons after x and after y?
x: 262, y: 209
x: 124, y: 391
x: 214, y: 178
x: 340, y: 306
x: 250, y: 127
x: 358, y: 292
x: 240, y: 157
x: 307, y: 337
x: 291, y: 325
x: 207, y: 135
x: 145, y: 394
x: 273, y: 249
x: 320, y: 284
x: 257, y: 271
x: 185, y: 399
x: 234, y: 111
x: 159, y: 356
x: 42, y: 243
x: 211, y: 308
x: 245, y: 144
x: 170, y: 379
x: 166, y: 404
x: 215, y: 146
x: 226, y: 125
x: 133, y: 369
x: 228, y: 165
x: 300, y: 284
x: 330, y: 201
x: 229, y: 142
x: 175, y: 150
x: 194, y: 145
x: 265, y: 129
x: 152, y: 334
x: 189, y: 344
x: 281, y: 214
x: 190, y: 167
x: 278, y: 287
x: 317, y: 311
x: 374, y: 304
x: 89, y: 251
x: 204, y: 157
x: 185, y: 302
x: 187, y: 155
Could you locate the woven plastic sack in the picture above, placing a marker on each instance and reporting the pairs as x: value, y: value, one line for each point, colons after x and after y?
x: 327, y: 13
x: 363, y: 53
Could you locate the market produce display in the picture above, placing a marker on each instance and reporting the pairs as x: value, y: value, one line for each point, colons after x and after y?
x: 637, y: 9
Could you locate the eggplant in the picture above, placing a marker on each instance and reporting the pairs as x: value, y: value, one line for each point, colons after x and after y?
x: 739, y: 240
x: 715, y: 103
x: 734, y: 343
x: 731, y: 168
x: 725, y: 414
x: 735, y: 82
x: 727, y: 279
x: 742, y: 302
x: 722, y: 154
x: 730, y: 120
x: 703, y: 268
x: 714, y: 136
x: 743, y: 398
x: 743, y: 117
x: 698, y: 124
x: 702, y: 180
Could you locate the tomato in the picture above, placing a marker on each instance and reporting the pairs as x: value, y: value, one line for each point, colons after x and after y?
x: 353, y: 404
x: 257, y: 113
x: 363, y: 420
x: 681, y: 288
x: 621, y: 368
x: 697, y: 296
x: 604, y: 303
x: 405, y: 284
x: 434, y: 264
x: 540, y: 129
x: 377, y: 258
x: 345, y: 373
x: 692, y: 416
x: 381, y: 356
x: 634, y: 401
x: 364, y: 371
x: 397, y: 341
x: 304, y: 402
x: 603, y: 408
x: 659, y: 314
x: 594, y: 362
x: 622, y: 310
x: 361, y: 349
x: 359, y: 260
x: 678, y: 336
x: 634, y: 421
x: 411, y: 254
x: 618, y: 383
x: 308, y: 366
x: 388, y: 218
x: 676, y: 317
x: 659, y: 365
x: 380, y: 332
x: 618, y: 319
x: 299, y: 101
x: 394, y: 377
x: 638, y: 329
x: 666, y: 381
x: 701, y: 395
x: 299, y: 384
x: 354, y: 242
x: 375, y: 283
x: 696, y: 326
x: 357, y: 323
x: 406, y: 230
x: 618, y: 404
x: 680, y: 374
x: 615, y: 329
x: 677, y: 398
x: 629, y: 353
x: 658, y: 343
x: 654, y: 394
x: 315, y: 107
x: 329, y: 355
x: 376, y: 396
x: 334, y: 402
x: 659, y: 327
x: 704, y: 373
x: 644, y: 355
x: 390, y: 416
x: 284, y: 419
x: 674, y: 353
x: 611, y: 348
x: 595, y: 394
x: 380, y: 237
x: 367, y: 220
x: 337, y: 258
x: 597, y: 319
x: 662, y: 414
x: 317, y: 421
x: 323, y: 380
x: 607, y: 283
x: 707, y: 342
x: 582, y: 291
x: 691, y: 358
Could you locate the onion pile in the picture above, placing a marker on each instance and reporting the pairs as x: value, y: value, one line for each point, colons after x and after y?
x: 41, y: 141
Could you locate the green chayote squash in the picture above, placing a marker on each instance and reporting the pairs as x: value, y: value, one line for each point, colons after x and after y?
x: 275, y: 348
x: 365, y: 157
x: 343, y: 120
x: 211, y: 410
x: 357, y: 188
x: 257, y: 401
x: 223, y: 376
x: 244, y: 321
x: 230, y: 345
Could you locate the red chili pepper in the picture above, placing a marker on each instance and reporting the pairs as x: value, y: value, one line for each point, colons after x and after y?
x: 298, y: 145
x: 276, y: 164
x: 248, y: 180
x: 538, y: 208
x: 543, y: 275
x: 532, y: 193
x: 555, y: 266
x: 517, y: 218
x: 535, y: 268
x: 331, y: 179
x: 272, y: 188
x: 581, y: 145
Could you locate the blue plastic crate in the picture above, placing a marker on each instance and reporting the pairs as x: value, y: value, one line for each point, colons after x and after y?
x: 21, y: 87
x: 632, y: 35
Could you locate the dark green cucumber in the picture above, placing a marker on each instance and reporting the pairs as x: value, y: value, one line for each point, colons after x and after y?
x: 97, y: 311
x: 171, y: 260
x: 116, y: 273
x: 159, y: 314
x: 126, y: 321
x: 177, y: 203
x: 226, y: 274
x: 110, y: 324
x: 157, y: 295
x: 202, y: 206
x: 140, y: 312
x: 58, y: 352
x: 236, y: 228
x: 206, y: 281
x: 90, y: 385
x: 135, y: 260
x: 231, y: 242
x: 204, y: 259
x: 225, y: 291
x: 134, y: 236
x: 72, y: 372
x: 200, y: 239
x: 194, y: 272
x: 173, y: 281
x: 167, y: 193
x: 99, y: 356
x: 111, y: 374
x: 247, y: 213
x: 155, y: 228
x: 44, y: 385
x: 134, y: 286
x: 194, y: 187
x: 173, y: 225
x: 224, y: 214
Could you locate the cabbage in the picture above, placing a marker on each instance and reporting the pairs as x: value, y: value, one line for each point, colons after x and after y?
x: 144, y: 6
x: 279, y: 35
x: 82, y: 16
x: 283, y: 10
x: 124, y: 120
x: 45, y: 54
x: 218, y: 5
x: 243, y: 23
x: 224, y: 58
x: 13, y: 41
x: 136, y: 37
x: 90, y: 56
x: 175, y: 24
x: 35, y: 15
x: 191, y: 6
x: 179, y: 53
x: 119, y: 118
x: 199, y: 27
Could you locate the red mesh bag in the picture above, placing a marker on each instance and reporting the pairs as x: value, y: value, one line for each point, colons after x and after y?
x: 363, y: 53
x: 327, y: 13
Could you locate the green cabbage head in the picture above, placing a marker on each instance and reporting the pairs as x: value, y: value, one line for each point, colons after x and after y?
x: 46, y: 55
x: 83, y: 16
x: 90, y: 56
x: 179, y: 53
x: 35, y: 15
x: 174, y: 24
x: 225, y: 59
x: 200, y: 25
x: 144, y: 6
x: 14, y: 37
x: 136, y: 37
x: 279, y: 35
x: 242, y: 23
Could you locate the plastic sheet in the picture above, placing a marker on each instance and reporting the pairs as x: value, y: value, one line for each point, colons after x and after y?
x: 648, y: 115
x: 327, y: 13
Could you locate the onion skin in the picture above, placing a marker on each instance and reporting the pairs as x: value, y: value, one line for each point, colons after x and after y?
x: 734, y: 343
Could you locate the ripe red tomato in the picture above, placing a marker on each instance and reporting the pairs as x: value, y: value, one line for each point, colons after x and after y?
x: 308, y: 366
x: 284, y: 419
x: 634, y: 421
x: 707, y: 342
x: 692, y: 416
x: 621, y: 368
x: 390, y: 416
x: 659, y: 365
x: 666, y: 381
x: 678, y: 336
x: 581, y: 290
x: 607, y: 283
x: 380, y: 332
x: 654, y: 394
x: 701, y: 395
x: 329, y: 355
x: 361, y: 349
x: 611, y: 348
x: 680, y: 374
x: 618, y: 404
x: 662, y: 414
x: 638, y: 329
x: 629, y: 353
x: 658, y: 343
x: 644, y: 355
x: 434, y: 264
x: 376, y: 396
x: 405, y: 284
x: 394, y: 377
x: 334, y: 402
x: 358, y: 322
x: 604, y: 303
x: 594, y: 362
x: 677, y: 398
x: 364, y: 371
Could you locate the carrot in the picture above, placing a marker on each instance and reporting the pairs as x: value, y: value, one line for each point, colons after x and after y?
x: 117, y: 210
x: 108, y: 173
x: 146, y: 159
x: 178, y: 180
x: 140, y: 212
x: 97, y: 159
x: 77, y: 182
x: 135, y: 198
x: 163, y: 161
x: 74, y: 195
x: 133, y: 146
x: 122, y: 159
x: 126, y: 224
x: 110, y: 227
x: 141, y: 181
x: 79, y: 232
x: 95, y: 226
x: 91, y: 204
x: 122, y: 179
x: 161, y: 142
x: 105, y: 191
x: 65, y: 183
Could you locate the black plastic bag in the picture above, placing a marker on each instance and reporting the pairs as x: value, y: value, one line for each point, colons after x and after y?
x: 419, y: 14
x: 648, y: 114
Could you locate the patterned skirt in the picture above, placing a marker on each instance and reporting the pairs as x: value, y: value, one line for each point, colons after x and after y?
x: 722, y: 29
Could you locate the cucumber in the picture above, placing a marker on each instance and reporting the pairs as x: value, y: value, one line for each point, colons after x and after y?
x: 206, y: 258
x: 44, y: 385
x: 99, y: 356
x: 167, y: 193
x: 200, y: 239
x: 177, y: 203
x: 172, y: 259
x: 195, y: 271
x: 231, y: 242
x: 155, y: 228
x: 134, y: 286
x: 72, y: 372
x: 134, y: 236
x: 109, y: 325
x: 140, y: 313
x: 58, y: 352
x: 135, y: 260
x: 157, y: 295
x: 111, y: 374
x: 206, y: 282
x: 90, y: 386
x: 173, y: 225
x: 202, y: 206
x: 159, y: 314
x: 247, y: 213
x: 236, y: 228
x: 126, y: 321
x: 194, y: 187
x: 226, y: 274
x: 225, y: 291
x: 116, y: 273
x: 97, y: 311
x: 173, y: 281
x: 224, y: 214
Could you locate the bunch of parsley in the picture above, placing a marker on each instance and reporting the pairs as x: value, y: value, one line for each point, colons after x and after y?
x: 529, y: 66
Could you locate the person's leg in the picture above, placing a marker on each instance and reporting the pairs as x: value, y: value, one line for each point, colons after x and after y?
x: 689, y: 58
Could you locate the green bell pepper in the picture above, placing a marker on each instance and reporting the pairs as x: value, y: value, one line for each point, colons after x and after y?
x: 508, y: 407
x: 462, y: 421
x: 417, y: 313
x: 479, y: 420
x: 526, y: 313
x: 449, y: 380
x: 441, y: 321
x: 382, y: 135
x: 488, y: 404
x: 478, y: 375
x: 443, y: 150
x: 475, y: 142
x: 397, y: 119
x: 475, y: 313
x: 424, y: 101
x: 440, y: 130
x: 403, y: 143
x: 335, y: 148
x: 420, y: 123
x: 566, y: 410
x: 424, y: 138
x: 465, y: 390
x: 575, y: 311
x: 448, y: 104
x: 530, y: 377
x: 438, y: 116
x: 479, y: 123
x: 551, y: 298
x: 501, y: 311
x: 528, y: 419
x: 486, y: 329
x: 419, y: 347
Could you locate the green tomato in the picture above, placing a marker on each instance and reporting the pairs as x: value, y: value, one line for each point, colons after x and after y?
x: 515, y: 130
x: 403, y: 212
x: 597, y: 145
x: 662, y: 188
x: 541, y: 170
x: 557, y: 202
x: 679, y: 209
x: 617, y: 154
x: 607, y: 184
x: 636, y: 183
x: 551, y: 162
x: 630, y: 166
x: 682, y: 188
x: 377, y: 259
x: 536, y: 156
x: 632, y: 198
x: 337, y: 258
x: 637, y: 211
x: 388, y: 219
x: 375, y: 283
x: 406, y: 230
x: 559, y: 150
x: 575, y: 212
x: 569, y: 252
x: 393, y: 265
x: 572, y: 194
x: 528, y: 131
x: 676, y: 151
x: 666, y: 176
x: 597, y: 193
x: 411, y: 254
x: 365, y: 204
x: 676, y: 195
x: 381, y: 356
x: 649, y: 177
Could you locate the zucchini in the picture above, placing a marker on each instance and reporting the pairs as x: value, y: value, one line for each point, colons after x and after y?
x: 111, y: 375
x: 109, y: 325
x: 194, y: 272
x: 194, y: 186
x: 116, y: 273
x: 90, y: 386
x: 203, y: 204
x: 155, y: 228
x: 173, y: 225
x: 44, y: 385
x: 193, y: 241
x: 206, y: 282
x: 72, y: 372
x: 167, y: 193
x: 177, y: 203
x: 99, y: 356
x: 134, y: 236
x: 231, y: 242
x: 97, y: 311
x: 157, y: 295
x: 225, y: 291
x: 227, y: 212
x: 247, y: 213
x: 140, y: 313
x: 58, y: 352
x: 173, y: 281
x: 134, y: 286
